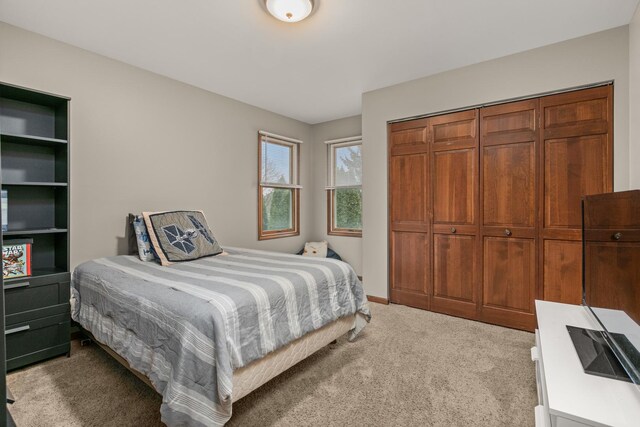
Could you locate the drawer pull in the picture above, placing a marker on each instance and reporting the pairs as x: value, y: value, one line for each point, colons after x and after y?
x: 617, y: 236
x: 16, y: 330
x: 507, y: 232
x: 453, y: 230
x: 17, y: 285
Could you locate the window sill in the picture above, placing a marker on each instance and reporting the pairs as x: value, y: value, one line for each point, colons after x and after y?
x: 345, y: 233
x: 278, y: 235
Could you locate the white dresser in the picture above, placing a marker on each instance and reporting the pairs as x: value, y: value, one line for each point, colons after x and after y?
x: 567, y: 396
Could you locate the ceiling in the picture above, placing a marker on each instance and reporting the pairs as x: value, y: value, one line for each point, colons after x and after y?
x: 315, y: 70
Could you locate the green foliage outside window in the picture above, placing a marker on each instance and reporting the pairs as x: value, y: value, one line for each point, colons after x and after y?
x: 349, y: 208
x: 348, y: 192
x: 276, y: 209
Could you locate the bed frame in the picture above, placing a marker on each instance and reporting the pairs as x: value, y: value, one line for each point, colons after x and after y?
x: 258, y: 372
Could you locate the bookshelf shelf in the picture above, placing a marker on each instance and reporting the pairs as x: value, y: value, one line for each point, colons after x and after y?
x: 34, y: 172
x: 36, y: 273
x: 34, y: 231
x: 35, y: 184
x: 30, y: 139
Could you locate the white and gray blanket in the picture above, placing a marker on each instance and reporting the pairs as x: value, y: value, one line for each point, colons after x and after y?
x: 188, y: 326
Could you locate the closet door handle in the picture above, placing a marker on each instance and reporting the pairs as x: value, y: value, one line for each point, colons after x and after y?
x: 453, y: 230
x: 507, y: 232
x: 18, y: 329
x: 617, y: 236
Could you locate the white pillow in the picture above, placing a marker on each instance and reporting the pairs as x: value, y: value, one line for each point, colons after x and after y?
x: 316, y: 249
x: 142, y: 238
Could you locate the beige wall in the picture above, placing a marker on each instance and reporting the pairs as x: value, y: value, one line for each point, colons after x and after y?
x: 128, y: 125
x: 349, y: 248
x: 634, y: 101
x: 140, y: 141
x: 594, y: 58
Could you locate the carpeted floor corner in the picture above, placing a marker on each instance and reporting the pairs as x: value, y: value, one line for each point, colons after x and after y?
x: 408, y: 368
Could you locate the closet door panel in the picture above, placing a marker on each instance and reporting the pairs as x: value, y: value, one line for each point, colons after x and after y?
x: 576, y: 159
x: 409, y: 193
x: 454, y: 186
x: 579, y: 113
x: 454, y: 183
x: 509, y: 282
x: 454, y: 131
x: 408, y: 137
x: 509, y: 123
x: 411, y: 267
x: 562, y: 275
x: 409, y: 214
x: 509, y: 274
x: 410, y: 272
x: 451, y: 281
x: 454, y: 275
x: 508, y: 143
x: 509, y: 184
x: 573, y: 167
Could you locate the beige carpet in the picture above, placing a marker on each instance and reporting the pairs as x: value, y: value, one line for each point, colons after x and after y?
x: 409, y: 367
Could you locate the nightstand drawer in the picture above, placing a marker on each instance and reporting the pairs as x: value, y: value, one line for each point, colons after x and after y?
x: 40, y: 313
x: 37, y: 339
x: 36, y: 292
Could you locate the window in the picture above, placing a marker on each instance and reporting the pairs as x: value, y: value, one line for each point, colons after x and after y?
x: 344, y: 190
x: 278, y: 191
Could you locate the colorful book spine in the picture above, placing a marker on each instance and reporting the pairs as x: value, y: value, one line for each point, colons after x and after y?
x: 5, y: 210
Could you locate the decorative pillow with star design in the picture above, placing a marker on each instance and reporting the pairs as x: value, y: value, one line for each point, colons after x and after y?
x: 179, y: 236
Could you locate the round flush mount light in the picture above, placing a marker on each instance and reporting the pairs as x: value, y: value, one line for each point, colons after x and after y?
x: 289, y: 10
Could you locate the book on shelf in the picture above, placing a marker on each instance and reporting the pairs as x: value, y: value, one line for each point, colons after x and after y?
x: 5, y: 210
x: 16, y: 258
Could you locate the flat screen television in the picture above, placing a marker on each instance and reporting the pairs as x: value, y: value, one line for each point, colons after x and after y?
x: 611, y: 286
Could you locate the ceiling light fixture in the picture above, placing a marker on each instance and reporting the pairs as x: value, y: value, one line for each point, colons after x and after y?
x: 289, y: 10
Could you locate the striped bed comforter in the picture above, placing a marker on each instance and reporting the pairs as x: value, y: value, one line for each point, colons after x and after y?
x: 190, y: 325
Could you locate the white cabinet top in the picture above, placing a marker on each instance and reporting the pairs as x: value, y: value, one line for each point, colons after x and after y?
x: 571, y: 392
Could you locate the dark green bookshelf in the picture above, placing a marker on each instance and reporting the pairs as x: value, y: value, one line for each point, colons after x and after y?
x: 36, y: 272
x: 27, y: 233
x: 35, y: 184
x: 31, y: 139
x: 34, y: 165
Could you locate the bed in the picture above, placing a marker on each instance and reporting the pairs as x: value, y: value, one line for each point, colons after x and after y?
x: 207, y: 332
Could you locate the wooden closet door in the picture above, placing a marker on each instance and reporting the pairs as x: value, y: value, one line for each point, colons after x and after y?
x: 576, y: 159
x: 454, y: 187
x: 508, y: 143
x: 409, y: 214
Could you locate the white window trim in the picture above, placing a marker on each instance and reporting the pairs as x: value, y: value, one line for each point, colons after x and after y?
x: 294, y: 161
x: 279, y: 137
x: 332, y: 145
x: 294, y: 186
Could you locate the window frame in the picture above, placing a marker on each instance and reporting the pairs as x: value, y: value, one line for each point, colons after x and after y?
x: 331, y: 188
x: 294, y: 164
